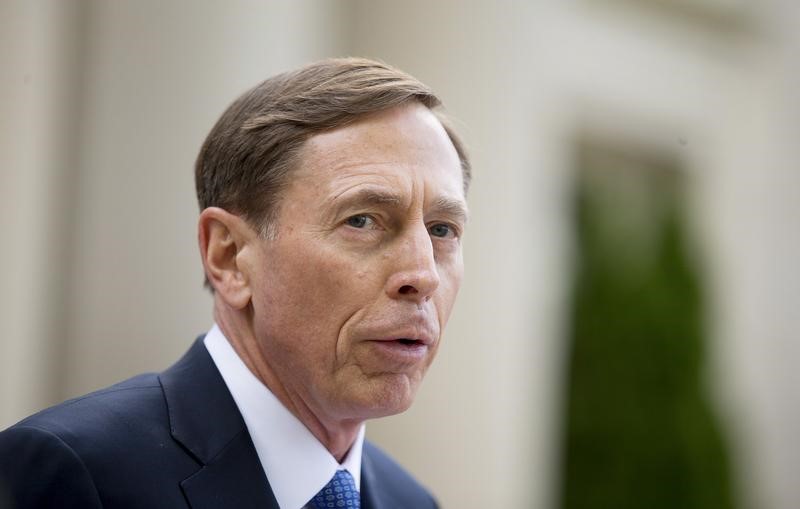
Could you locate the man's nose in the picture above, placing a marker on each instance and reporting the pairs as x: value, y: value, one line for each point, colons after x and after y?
x: 414, y: 275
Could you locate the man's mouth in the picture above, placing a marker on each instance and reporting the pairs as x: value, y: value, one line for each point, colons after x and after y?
x: 407, y: 341
x: 400, y: 352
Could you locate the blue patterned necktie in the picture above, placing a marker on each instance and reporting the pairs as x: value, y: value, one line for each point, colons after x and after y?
x: 340, y: 492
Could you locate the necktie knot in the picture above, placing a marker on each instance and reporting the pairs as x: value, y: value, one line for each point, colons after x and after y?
x: 339, y: 493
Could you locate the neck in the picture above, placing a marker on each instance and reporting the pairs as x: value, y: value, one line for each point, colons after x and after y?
x: 336, y: 435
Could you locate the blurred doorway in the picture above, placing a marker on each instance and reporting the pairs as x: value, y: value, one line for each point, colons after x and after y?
x: 640, y: 432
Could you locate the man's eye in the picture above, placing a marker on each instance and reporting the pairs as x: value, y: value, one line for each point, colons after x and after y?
x: 359, y: 221
x: 441, y: 230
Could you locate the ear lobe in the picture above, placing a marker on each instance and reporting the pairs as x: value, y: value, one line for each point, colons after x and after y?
x: 222, y: 236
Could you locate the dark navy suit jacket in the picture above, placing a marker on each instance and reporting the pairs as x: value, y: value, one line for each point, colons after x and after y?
x: 169, y: 440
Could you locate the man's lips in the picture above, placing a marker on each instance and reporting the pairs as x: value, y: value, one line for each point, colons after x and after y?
x: 401, y: 345
x: 398, y: 354
x: 407, y: 337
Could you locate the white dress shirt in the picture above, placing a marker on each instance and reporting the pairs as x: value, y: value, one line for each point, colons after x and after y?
x: 296, y: 463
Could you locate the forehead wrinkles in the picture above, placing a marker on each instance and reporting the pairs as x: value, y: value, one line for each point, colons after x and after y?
x: 387, y: 137
x: 351, y: 174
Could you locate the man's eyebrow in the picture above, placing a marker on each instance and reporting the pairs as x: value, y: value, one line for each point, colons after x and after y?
x: 376, y: 197
x: 451, y: 207
x: 367, y: 196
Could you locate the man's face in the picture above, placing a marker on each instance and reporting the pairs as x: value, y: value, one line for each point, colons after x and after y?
x: 351, y: 295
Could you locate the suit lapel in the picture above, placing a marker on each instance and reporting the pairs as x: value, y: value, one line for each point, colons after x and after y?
x: 232, y: 479
x: 205, y: 420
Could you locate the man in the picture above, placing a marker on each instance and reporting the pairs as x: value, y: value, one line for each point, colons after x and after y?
x: 332, y: 208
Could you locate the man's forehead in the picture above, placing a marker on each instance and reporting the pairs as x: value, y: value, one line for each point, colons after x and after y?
x: 382, y: 134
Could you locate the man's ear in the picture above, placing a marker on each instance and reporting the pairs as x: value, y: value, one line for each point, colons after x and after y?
x: 222, y: 236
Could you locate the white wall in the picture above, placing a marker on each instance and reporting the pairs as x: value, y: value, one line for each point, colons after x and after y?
x: 39, y: 57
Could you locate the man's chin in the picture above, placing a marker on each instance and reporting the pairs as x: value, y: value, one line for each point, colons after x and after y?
x: 385, y: 395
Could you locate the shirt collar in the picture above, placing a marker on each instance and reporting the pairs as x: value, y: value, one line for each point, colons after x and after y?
x: 295, y: 462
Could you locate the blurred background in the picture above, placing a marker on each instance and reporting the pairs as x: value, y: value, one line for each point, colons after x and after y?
x: 627, y: 333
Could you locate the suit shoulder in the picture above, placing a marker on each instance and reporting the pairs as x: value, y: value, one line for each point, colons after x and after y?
x: 103, y: 445
x: 108, y: 412
x: 392, y: 481
x: 38, y: 469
